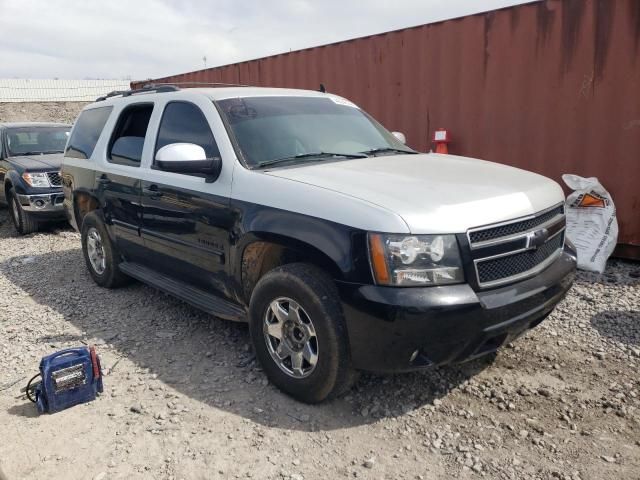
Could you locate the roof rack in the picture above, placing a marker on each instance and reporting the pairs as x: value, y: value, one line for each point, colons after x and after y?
x: 145, y: 89
x: 165, y: 87
x: 194, y: 84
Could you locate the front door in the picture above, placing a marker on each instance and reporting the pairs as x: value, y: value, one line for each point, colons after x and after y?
x: 186, y: 221
x: 119, y: 187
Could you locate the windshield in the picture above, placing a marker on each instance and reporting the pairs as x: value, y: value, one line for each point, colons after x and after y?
x: 36, y: 140
x: 301, y: 129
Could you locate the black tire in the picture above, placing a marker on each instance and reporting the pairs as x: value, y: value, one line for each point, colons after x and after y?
x: 315, y: 292
x: 23, y: 221
x: 110, y: 276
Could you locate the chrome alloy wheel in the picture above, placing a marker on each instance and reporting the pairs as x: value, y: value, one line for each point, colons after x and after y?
x: 95, y: 251
x: 290, y: 337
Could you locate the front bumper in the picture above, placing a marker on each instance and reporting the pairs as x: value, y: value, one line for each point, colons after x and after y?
x: 395, y: 329
x: 46, y: 203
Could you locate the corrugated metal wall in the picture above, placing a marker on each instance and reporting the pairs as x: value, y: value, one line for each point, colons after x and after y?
x: 56, y: 90
x: 552, y: 86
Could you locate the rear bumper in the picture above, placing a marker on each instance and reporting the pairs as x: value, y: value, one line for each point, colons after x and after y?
x: 47, y: 204
x: 403, y: 329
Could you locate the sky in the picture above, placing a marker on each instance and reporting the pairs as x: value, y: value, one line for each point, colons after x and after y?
x: 139, y: 39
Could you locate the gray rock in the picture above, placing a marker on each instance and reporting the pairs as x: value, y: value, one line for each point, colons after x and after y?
x: 369, y: 462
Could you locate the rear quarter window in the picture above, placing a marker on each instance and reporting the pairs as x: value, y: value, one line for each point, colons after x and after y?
x: 86, y: 132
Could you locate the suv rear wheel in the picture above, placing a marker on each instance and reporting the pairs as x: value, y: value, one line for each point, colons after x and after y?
x: 298, y: 331
x: 23, y: 221
x: 100, y: 254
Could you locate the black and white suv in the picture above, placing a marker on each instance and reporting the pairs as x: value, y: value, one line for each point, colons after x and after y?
x: 295, y: 210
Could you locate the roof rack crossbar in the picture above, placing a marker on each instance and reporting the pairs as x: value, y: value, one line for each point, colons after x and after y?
x: 145, y: 89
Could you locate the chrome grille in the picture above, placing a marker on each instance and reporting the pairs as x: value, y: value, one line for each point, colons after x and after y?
x: 518, y: 263
x: 509, y: 229
x: 510, y: 251
x: 55, y: 179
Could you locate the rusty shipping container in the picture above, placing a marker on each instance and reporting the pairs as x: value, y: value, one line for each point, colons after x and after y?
x: 550, y: 86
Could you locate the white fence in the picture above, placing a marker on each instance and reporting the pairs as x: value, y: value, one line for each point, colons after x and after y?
x: 54, y: 90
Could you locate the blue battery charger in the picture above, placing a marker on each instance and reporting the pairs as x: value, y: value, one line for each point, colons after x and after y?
x: 69, y: 377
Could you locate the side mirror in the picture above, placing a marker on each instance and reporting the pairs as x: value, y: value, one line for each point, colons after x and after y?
x: 400, y: 136
x: 188, y: 158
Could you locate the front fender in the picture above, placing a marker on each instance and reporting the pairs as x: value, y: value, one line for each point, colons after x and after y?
x: 341, y: 248
x: 17, y: 183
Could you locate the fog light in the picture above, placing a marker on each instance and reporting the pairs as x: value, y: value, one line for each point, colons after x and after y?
x: 414, y: 355
x: 39, y: 203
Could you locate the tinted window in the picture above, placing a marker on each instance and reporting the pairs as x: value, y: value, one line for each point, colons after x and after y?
x: 125, y: 147
x: 87, y: 132
x: 183, y: 122
x: 36, y: 140
x: 270, y: 128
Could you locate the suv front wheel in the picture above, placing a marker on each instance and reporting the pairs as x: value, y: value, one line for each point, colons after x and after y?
x: 100, y: 253
x: 298, y: 332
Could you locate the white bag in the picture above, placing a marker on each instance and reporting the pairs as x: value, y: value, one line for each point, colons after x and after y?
x: 591, y: 222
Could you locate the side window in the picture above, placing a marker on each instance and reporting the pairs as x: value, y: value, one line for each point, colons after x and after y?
x: 87, y: 132
x: 183, y: 122
x: 127, y: 140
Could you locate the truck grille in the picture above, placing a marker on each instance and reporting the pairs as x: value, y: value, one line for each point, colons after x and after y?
x: 509, y: 266
x: 514, y: 228
x: 511, y: 251
x: 55, y: 179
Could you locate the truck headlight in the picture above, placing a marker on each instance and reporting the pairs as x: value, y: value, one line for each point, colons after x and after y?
x: 412, y: 260
x: 37, y: 180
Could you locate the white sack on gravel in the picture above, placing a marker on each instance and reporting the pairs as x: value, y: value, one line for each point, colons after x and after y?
x: 591, y: 222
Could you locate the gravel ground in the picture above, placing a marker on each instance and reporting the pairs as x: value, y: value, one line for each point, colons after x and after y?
x: 64, y: 112
x: 184, y: 397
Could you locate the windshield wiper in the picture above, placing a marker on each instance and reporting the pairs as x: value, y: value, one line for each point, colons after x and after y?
x: 312, y: 155
x: 373, y: 151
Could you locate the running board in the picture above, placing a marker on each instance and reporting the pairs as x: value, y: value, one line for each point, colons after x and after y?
x: 196, y: 297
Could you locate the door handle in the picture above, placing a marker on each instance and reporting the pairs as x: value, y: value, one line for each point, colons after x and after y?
x: 103, y: 180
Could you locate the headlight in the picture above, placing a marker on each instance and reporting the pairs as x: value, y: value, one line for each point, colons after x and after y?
x: 37, y: 180
x: 411, y: 260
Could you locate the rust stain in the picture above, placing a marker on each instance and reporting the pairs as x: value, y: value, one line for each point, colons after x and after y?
x: 603, y: 13
x: 544, y: 21
x: 572, y: 15
x: 515, y: 19
x: 634, y: 17
x: 488, y: 21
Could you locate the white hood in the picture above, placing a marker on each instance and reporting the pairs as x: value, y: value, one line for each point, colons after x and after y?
x: 434, y: 193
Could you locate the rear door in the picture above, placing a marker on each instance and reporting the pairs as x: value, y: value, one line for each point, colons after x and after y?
x: 186, y: 222
x: 119, y: 185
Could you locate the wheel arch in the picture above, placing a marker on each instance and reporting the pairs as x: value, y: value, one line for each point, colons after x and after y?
x: 84, y: 202
x: 262, y: 251
x: 12, y: 181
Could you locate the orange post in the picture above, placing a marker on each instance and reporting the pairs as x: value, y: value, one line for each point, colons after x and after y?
x: 441, y: 138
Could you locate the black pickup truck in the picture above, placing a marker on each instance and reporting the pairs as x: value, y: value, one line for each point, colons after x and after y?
x: 30, y: 159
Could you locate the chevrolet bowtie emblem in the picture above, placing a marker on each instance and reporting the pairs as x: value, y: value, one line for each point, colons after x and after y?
x: 538, y: 238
